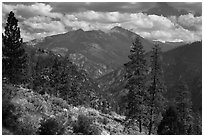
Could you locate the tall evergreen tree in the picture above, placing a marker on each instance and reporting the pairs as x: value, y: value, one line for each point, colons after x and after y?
x: 14, y: 57
x: 156, y: 89
x: 136, y: 76
x: 184, y: 107
x: 170, y: 124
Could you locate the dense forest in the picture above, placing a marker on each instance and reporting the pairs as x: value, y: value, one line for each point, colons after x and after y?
x: 45, y: 93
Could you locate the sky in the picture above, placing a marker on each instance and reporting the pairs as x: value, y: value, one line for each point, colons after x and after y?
x: 37, y: 20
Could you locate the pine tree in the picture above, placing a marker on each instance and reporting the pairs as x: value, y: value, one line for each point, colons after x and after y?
x: 156, y: 89
x: 136, y: 76
x: 14, y: 57
x: 184, y: 107
x: 170, y: 124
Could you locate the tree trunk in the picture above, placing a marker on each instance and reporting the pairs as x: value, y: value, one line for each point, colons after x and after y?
x: 140, y: 124
x: 150, y: 124
x: 152, y: 104
x: 151, y: 112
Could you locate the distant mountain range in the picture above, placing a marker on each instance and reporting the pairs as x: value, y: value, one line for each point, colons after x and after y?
x: 164, y: 9
x: 96, y: 51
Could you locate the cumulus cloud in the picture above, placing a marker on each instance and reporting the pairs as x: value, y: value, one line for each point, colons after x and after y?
x: 39, y: 20
x: 102, y: 17
x: 36, y: 20
x: 26, y: 11
x: 190, y: 22
x: 44, y: 23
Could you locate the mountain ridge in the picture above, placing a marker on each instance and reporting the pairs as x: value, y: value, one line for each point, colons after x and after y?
x: 111, y: 49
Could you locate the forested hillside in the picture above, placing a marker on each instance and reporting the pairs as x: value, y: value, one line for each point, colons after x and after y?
x: 185, y: 63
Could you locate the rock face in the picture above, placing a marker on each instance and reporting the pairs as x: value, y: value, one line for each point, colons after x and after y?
x: 97, y: 51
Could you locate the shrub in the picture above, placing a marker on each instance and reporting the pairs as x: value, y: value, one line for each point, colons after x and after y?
x: 28, y: 124
x: 9, y: 117
x: 85, y: 126
x: 10, y: 112
x: 51, y: 126
x: 82, y: 125
x: 105, y: 121
x: 94, y: 130
x: 59, y: 102
x: 8, y: 109
x: 6, y: 131
x: 8, y: 90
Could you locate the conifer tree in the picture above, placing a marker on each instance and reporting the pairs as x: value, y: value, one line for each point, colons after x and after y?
x: 136, y: 76
x: 170, y: 124
x: 184, y: 107
x: 156, y: 88
x: 14, y: 57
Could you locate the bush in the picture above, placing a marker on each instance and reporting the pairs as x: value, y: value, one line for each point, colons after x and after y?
x: 6, y: 131
x: 94, y: 130
x: 82, y: 125
x: 28, y: 124
x: 59, y: 102
x: 85, y: 126
x: 8, y: 109
x: 8, y: 91
x: 51, y: 126
x: 9, y: 116
x: 105, y: 121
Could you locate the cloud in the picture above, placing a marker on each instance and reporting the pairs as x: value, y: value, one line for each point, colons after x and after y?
x: 194, y: 7
x: 123, y: 7
x: 35, y: 20
x: 103, y: 17
x: 44, y: 23
x: 190, y: 22
x: 41, y: 19
x: 36, y: 9
x: 161, y: 28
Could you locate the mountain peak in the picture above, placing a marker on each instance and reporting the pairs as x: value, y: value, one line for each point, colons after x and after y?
x: 80, y: 30
x: 120, y: 29
x: 117, y: 28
